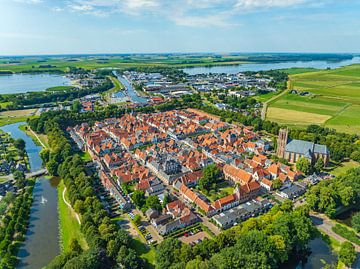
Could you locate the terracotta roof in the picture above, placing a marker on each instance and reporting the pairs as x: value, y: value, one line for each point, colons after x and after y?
x: 239, y: 174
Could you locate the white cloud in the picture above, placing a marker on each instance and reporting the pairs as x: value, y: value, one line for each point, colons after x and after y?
x: 192, y: 13
x: 29, y: 1
x: 254, y: 5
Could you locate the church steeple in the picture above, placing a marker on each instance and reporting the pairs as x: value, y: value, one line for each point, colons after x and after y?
x: 281, y: 142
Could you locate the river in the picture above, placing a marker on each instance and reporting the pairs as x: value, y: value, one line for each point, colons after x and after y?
x: 20, y: 83
x: 233, y: 69
x: 41, y: 243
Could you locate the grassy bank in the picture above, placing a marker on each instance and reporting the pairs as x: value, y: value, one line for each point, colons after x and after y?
x: 68, y: 225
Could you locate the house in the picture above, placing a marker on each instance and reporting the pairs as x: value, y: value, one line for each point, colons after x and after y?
x: 291, y: 191
x: 237, y: 175
x: 152, y: 213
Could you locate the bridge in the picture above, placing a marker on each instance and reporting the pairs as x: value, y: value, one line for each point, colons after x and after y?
x: 37, y: 173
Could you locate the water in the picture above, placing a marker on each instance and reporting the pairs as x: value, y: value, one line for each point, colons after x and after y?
x: 130, y: 90
x: 20, y: 83
x: 233, y: 69
x: 321, y: 254
x: 41, y: 243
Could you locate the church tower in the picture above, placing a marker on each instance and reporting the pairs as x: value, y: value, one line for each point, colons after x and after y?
x: 281, y: 142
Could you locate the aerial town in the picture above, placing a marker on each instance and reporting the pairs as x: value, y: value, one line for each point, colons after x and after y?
x: 186, y: 134
x: 166, y: 154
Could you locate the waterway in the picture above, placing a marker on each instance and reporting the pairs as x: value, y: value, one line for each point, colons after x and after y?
x: 20, y: 83
x: 41, y: 243
x: 130, y: 90
x: 320, y: 254
x: 233, y: 69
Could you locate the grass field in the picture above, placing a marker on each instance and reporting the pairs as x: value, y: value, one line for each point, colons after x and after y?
x: 344, y: 167
x: 145, y: 252
x: 59, y: 88
x: 334, y: 100
x: 69, y: 227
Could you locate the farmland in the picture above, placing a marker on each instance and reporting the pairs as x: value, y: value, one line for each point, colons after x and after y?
x: 333, y: 100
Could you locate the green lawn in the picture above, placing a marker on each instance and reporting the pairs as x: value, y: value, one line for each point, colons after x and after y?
x: 10, y: 120
x: 69, y: 227
x: 334, y: 100
x: 342, y: 168
x: 145, y: 252
x: 59, y: 88
x: 85, y: 156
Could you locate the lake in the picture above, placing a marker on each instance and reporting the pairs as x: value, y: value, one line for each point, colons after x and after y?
x: 20, y: 83
x: 41, y: 243
x: 233, y: 69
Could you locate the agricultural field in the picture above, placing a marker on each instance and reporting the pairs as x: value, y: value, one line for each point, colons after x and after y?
x: 333, y: 100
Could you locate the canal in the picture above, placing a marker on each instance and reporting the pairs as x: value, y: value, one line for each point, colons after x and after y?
x: 41, y: 243
x: 130, y: 90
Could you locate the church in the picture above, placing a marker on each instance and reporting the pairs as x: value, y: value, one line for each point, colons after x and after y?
x: 293, y: 149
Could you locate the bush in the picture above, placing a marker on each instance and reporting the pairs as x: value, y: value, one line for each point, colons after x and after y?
x: 346, y: 233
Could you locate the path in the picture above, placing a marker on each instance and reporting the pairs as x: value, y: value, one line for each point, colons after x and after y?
x: 69, y: 205
x: 325, y: 225
x: 265, y: 104
x: 37, y: 137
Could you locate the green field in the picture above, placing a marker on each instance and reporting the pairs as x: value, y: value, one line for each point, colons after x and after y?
x: 334, y: 100
x: 69, y: 227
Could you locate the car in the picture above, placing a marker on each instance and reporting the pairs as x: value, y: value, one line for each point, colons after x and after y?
x: 186, y: 234
x: 148, y: 236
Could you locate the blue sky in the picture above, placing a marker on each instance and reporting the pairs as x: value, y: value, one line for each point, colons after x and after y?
x: 126, y: 26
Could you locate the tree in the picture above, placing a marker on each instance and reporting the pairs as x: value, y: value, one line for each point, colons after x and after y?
x: 75, y: 246
x: 276, y: 184
x: 52, y: 167
x: 347, y: 253
x: 355, y: 221
x: 137, y: 219
x: 76, y: 106
x: 304, y: 165
x: 153, y: 202
x: 167, y: 253
x: 355, y: 156
x: 211, y: 176
x: 138, y: 198
x: 19, y: 144
x: 319, y: 165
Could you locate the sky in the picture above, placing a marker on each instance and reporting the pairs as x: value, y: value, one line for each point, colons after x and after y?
x: 31, y: 27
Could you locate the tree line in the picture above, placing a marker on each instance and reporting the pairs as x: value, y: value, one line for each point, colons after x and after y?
x: 109, y: 245
x: 13, y: 225
x: 330, y: 195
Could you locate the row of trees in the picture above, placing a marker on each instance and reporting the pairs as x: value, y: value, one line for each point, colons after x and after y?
x: 263, y: 242
x: 13, y: 225
x: 109, y: 246
x: 341, y: 145
x: 328, y: 196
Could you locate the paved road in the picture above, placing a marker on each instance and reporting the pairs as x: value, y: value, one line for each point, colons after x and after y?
x: 325, y: 224
x: 148, y: 226
x: 212, y: 227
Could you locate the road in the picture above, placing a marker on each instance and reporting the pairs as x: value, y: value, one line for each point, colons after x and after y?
x: 324, y: 224
x: 265, y: 104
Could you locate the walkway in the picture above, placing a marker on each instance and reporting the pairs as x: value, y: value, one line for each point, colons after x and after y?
x: 69, y: 205
x: 324, y: 224
x: 37, y: 137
